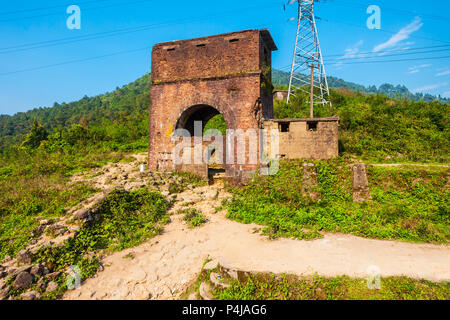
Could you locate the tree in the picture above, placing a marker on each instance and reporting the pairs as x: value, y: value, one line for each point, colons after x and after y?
x: 36, y: 135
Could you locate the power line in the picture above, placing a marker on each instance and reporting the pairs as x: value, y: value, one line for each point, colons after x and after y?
x: 85, y: 9
x: 382, y: 30
x: 74, y: 61
x: 382, y: 56
x: 388, y: 61
x: 49, y: 43
x: 93, y: 36
x: 4, y: 13
x: 379, y: 61
x: 391, y: 50
x: 424, y: 15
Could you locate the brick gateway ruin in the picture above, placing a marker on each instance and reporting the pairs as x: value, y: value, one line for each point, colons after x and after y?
x: 196, y: 79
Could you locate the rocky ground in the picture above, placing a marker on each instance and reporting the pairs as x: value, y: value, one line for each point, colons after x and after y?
x: 165, y: 266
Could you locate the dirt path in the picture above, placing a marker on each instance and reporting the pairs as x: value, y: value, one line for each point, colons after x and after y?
x: 164, y: 266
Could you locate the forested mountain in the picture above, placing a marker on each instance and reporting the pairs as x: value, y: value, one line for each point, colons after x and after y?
x: 389, y: 90
x: 124, y: 104
x: 122, y: 114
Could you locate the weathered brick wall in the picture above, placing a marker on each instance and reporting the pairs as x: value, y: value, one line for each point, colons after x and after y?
x: 223, y: 72
x: 214, y: 56
x: 302, y: 143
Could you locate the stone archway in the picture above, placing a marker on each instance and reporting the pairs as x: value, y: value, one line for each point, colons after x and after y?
x: 199, y: 78
x: 213, y: 148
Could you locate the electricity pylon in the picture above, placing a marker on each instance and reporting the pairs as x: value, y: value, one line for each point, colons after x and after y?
x: 307, y: 68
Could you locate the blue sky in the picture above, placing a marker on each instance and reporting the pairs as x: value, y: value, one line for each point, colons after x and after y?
x: 102, y: 62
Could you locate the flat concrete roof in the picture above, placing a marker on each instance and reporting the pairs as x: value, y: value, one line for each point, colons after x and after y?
x: 267, y: 37
x: 331, y: 119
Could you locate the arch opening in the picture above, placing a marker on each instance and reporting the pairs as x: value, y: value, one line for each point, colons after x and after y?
x: 202, y: 113
x: 210, y: 118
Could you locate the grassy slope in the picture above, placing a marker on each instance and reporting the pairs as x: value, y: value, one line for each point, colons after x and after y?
x: 33, y: 183
x: 408, y: 203
x: 286, y: 287
x: 269, y: 286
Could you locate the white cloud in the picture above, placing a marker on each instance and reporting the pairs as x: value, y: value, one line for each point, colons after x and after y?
x: 351, y: 52
x: 417, y: 69
x: 444, y: 73
x: 403, y: 34
x: 430, y: 87
x: 398, y: 48
x: 446, y: 94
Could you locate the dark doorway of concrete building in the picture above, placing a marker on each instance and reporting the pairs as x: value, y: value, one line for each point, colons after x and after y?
x: 213, y: 133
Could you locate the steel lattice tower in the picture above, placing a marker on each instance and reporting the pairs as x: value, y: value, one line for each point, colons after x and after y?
x: 308, y: 71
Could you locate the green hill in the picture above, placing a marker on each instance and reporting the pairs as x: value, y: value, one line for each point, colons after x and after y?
x: 376, y: 124
x: 282, y: 79
x: 124, y: 105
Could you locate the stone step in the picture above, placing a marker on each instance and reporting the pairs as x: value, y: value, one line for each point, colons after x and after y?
x: 205, y: 291
x: 217, y: 280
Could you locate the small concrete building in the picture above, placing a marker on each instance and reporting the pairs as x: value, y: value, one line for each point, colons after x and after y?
x: 313, y: 138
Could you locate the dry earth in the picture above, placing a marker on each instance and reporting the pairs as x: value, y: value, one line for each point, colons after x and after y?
x: 163, y: 267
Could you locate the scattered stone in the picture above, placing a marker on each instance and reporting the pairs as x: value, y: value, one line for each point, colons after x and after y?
x: 38, y: 231
x: 24, y: 257
x: 44, y: 222
x: 56, y: 229
x: 165, y: 193
x: 361, y: 191
x: 82, y: 214
x: 310, y: 185
x: 52, y: 286
x: 53, y: 275
x: 37, y: 270
x: 211, y: 194
x: 40, y: 285
x: 15, y: 271
x: 31, y: 295
x: 23, y: 280
x: 193, y: 296
x: 205, y: 291
x: 74, y: 228
x: 211, y: 265
x: 4, y: 293
x: 216, y: 279
x: 46, y: 271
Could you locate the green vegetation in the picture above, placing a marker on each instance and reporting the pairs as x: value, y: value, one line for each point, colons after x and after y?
x: 35, y: 184
x: 288, y: 287
x: 35, y: 172
x: 407, y: 204
x: 216, y: 123
x: 281, y: 79
x: 379, y: 129
x: 118, y: 117
x: 184, y: 180
x: 126, y: 219
x: 193, y: 217
x: 42, y: 148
